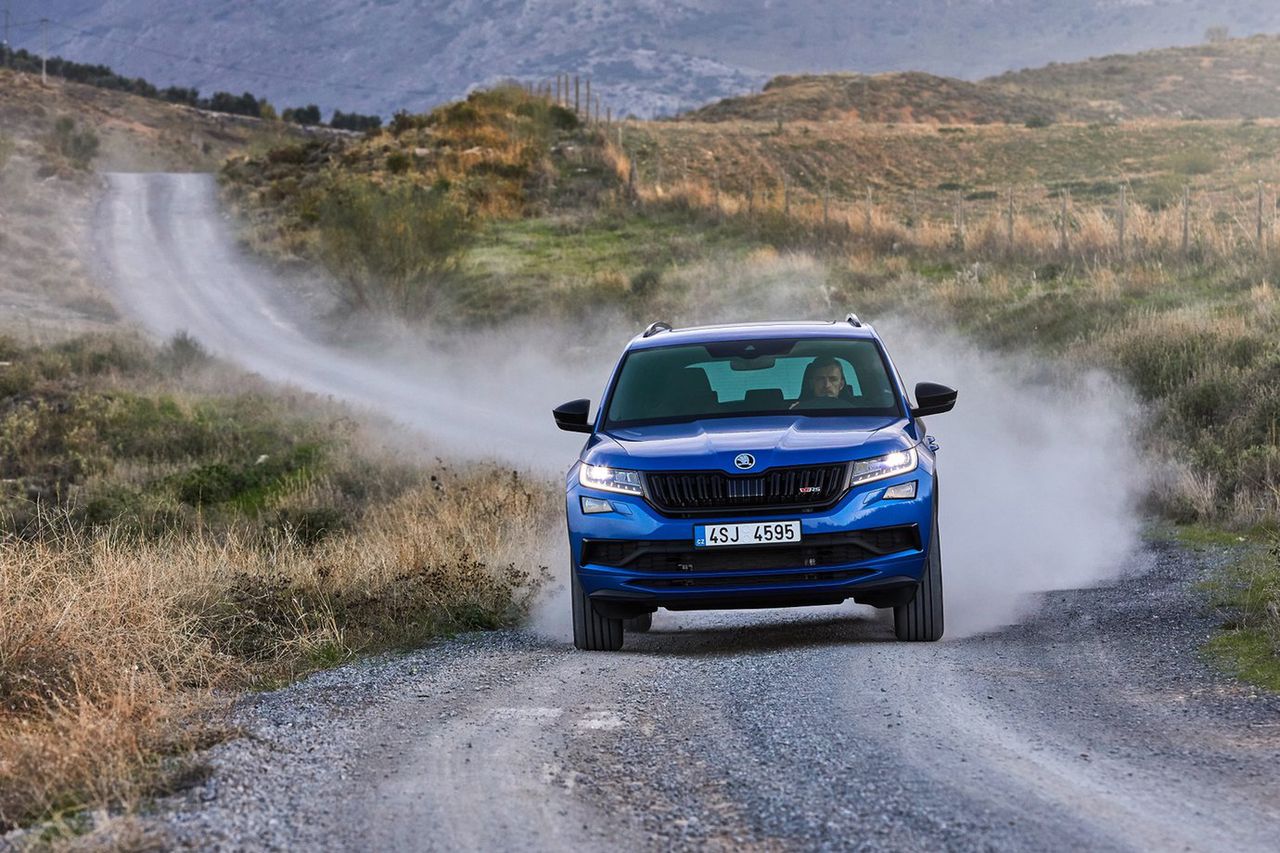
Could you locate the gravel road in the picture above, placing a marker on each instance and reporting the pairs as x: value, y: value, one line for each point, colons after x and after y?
x: 1094, y: 724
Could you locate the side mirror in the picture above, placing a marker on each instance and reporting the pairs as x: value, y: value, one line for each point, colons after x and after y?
x: 572, y: 416
x: 933, y: 399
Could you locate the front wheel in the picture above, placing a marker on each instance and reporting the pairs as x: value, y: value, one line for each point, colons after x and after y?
x: 591, y: 631
x: 920, y: 620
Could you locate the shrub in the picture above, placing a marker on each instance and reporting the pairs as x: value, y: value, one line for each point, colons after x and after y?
x: 308, y: 115
x: 1195, y: 161
x: 245, y: 104
x: 646, y: 281
x: 355, y: 121
x: 386, y: 244
x: 403, y: 122
x: 398, y: 162
x: 79, y: 147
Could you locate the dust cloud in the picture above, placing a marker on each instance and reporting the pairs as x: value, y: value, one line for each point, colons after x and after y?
x: 1039, y: 474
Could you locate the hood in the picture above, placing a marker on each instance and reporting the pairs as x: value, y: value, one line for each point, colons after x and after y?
x: 775, y: 442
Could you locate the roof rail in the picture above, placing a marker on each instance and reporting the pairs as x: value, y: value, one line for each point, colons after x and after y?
x: 654, y: 328
x: 852, y: 320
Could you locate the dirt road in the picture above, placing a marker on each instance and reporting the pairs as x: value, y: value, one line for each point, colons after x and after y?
x: 1093, y: 724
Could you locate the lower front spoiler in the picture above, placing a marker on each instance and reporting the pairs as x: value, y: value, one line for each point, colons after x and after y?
x: 880, y: 592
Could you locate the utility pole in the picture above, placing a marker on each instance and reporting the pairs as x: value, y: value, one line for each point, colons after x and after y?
x: 5, y: 45
x: 44, y: 55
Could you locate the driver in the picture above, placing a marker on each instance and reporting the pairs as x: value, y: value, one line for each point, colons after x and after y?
x: 823, y: 378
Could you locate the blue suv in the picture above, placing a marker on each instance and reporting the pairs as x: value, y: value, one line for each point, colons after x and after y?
x: 754, y: 465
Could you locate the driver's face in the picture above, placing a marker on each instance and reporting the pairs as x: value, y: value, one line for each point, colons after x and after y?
x: 828, y: 382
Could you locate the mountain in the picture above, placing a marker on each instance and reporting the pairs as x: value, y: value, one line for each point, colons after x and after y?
x: 647, y: 57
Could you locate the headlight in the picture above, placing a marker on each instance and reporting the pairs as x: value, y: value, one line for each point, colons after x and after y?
x: 889, y: 465
x: 610, y: 479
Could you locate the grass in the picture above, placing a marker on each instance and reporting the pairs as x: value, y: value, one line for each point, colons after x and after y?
x: 1232, y: 79
x: 391, y: 214
x: 161, y: 550
x: 1249, y: 592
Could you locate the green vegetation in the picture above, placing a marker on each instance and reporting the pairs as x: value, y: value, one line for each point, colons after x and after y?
x: 1249, y: 591
x: 164, y: 548
x: 75, y: 146
x: 308, y: 115
x: 81, y: 446
x: 387, y: 246
x: 355, y: 121
x: 392, y: 215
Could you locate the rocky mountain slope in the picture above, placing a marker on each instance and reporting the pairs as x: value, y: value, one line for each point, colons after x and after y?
x: 647, y: 57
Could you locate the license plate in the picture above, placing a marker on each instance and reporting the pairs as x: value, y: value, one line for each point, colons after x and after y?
x: 754, y: 533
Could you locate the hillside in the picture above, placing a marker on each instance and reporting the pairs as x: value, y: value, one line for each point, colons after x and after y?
x: 905, y: 97
x: 647, y: 57
x: 1235, y: 79
x: 48, y: 186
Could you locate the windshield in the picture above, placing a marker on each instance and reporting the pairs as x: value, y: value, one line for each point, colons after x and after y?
x: 840, y: 377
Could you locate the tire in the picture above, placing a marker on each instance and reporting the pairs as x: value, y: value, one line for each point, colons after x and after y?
x: 591, y: 631
x: 640, y: 624
x: 920, y: 620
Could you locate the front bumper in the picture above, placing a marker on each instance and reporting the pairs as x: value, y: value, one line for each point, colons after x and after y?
x: 874, y: 574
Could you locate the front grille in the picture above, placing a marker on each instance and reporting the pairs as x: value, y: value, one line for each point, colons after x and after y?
x: 823, y: 549
x: 751, y: 580
x: 699, y: 492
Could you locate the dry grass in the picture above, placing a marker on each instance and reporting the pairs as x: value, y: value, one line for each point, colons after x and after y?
x: 171, y: 534
x: 1038, y: 228
x: 116, y: 653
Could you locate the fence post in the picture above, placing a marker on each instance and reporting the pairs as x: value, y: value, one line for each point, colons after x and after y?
x: 959, y: 221
x: 1122, y: 212
x: 1009, y: 218
x: 716, y: 178
x: 826, y: 204
x: 786, y: 195
x: 1186, y: 220
x: 1261, y: 247
x: 867, y: 213
x: 631, y: 181
x: 751, y: 196
x: 577, y: 101
x: 1064, y: 245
